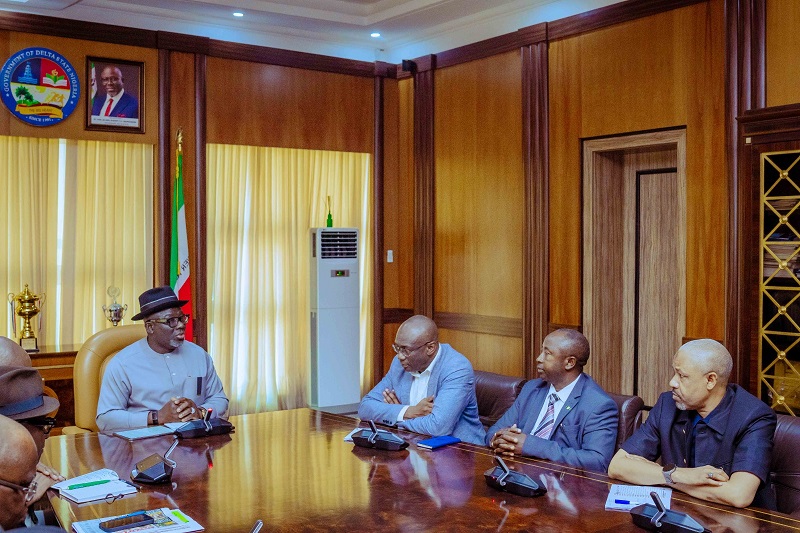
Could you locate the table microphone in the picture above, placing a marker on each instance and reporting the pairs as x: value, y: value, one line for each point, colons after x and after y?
x: 503, y: 478
x: 659, y: 518
x: 155, y: 468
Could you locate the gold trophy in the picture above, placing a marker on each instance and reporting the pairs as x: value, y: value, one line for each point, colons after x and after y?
x: 28, y: 305
x: 115, y: 311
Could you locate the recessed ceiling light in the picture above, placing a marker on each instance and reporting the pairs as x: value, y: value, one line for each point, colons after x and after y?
x: 375, y: 34
x: 238, y: 14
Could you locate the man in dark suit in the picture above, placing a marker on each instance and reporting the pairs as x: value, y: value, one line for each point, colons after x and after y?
x: 430, y: 387
x: 116, y: 102
x: 714, y: 438
x: 564, y: 416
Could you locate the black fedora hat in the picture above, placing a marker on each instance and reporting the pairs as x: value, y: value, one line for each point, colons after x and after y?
x: 155, y: 300
x: 22, y: 393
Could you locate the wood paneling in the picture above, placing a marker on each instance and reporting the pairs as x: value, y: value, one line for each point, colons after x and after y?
x: 536, y: 144
x: 266, y: 105
x: 424, y: 172
x: 783, y: 49
x: 398, y: 196
x: 75, y: 51
x: 660, y: 71
x: 492, y: 353
x: 480, y: 199
x: 479, y: 188
x: 493, y: 325
x: 610, y: 15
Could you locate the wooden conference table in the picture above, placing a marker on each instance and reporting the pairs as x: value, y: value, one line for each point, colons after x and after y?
x: 292, y: 470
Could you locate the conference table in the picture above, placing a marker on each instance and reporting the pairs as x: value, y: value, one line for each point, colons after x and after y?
x: 293, y: 470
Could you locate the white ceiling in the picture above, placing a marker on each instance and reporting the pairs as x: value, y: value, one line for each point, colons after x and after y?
x: 341, y: 28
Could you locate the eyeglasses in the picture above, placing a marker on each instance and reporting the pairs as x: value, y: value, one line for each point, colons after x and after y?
x: 45, y: 423
x: 172, y: 321
x: 405, y: 351
x: 29, y: 492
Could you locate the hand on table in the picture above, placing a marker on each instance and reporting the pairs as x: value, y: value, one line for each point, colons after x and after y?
x: 178, y: 410
x: 508, y: 441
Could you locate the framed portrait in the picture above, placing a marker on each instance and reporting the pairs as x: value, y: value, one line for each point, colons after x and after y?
x: 114, y: 95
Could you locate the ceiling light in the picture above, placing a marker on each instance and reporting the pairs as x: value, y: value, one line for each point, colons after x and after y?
x: 375, y: 34
x: 238, y: 14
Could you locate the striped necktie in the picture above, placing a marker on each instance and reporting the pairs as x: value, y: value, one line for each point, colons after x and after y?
x: 546, y: 427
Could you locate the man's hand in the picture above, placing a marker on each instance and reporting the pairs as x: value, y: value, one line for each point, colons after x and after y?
x: 389, y: 396
x: 43, y: 483
x: 178, y: 410
x: 423, y: 408
x: 508, y: 441
x: 699, y: 476
x: 49, y: 472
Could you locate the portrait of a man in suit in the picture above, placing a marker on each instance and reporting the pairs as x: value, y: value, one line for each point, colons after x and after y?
x: 111, y: 99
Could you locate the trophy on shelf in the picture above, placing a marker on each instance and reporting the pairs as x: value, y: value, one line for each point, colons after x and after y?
x: 115, y: 311
x: 26, y: 305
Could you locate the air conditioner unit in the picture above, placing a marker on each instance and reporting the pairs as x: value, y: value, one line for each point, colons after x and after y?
x: 335, y: 328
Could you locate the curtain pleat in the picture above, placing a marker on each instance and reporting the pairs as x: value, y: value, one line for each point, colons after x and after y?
x: 262, y: 203
x: 80, y: 219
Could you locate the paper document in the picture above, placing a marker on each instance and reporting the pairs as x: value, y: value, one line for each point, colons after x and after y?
x: 97, y: 485
x: 626, y: 497
x: 149, y: 431
x: 166, y: 520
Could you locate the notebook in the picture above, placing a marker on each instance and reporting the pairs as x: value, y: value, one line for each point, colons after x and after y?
x: 97, y: 485
x: 149, y: 431
x: 437, y: 442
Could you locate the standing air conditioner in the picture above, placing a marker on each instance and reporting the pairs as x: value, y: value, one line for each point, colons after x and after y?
x: 335, y: 307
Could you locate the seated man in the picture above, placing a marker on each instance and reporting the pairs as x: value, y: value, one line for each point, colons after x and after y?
x: 12, y: 354
x: 714, y: 438
x: 563, y: 416
x: 22, y: 399
x: 430, y: 387
x: 161, y: 378
x: 18, y: 459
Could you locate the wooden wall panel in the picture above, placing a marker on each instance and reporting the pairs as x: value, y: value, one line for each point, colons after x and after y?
x: 480, y: 201
x: 398, y: 187
x: 479, y: 188
x: 783, y: 48
x: 182, y: 115
x: 661, y: 71
x: 491, y: 353
x: 267, y: 105
x: 74, y: 127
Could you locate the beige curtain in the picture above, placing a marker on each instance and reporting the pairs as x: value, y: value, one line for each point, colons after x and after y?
x: 262, y: 203
x: 81, y: 221
x: 29, y: 190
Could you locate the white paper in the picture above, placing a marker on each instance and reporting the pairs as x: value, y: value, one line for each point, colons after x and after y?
x: 626, y: 497
x: 114, y: 487
x: 144, y: 433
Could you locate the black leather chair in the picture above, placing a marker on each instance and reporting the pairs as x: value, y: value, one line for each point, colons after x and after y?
x: 495, y: 393
x: 631, y: 411
x: 785, y: 466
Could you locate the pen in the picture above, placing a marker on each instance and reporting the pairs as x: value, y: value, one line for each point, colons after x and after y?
x: 88, y: 484
x: 623, y: 502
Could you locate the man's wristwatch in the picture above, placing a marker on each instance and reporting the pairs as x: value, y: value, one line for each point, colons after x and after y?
x: 668, y: 470
x: 154, y: 418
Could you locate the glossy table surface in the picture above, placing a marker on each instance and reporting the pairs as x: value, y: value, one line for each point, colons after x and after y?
x: 292, y: 470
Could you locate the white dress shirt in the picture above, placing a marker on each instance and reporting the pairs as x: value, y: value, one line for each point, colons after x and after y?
x: 419, y: 386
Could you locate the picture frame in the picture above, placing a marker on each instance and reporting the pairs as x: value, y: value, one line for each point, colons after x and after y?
x: 121, y: 79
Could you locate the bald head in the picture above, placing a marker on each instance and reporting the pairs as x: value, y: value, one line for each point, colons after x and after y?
x: 12, y: 354
x: 18, y: 458
x: 419, y: 328
x: 710, y: 356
